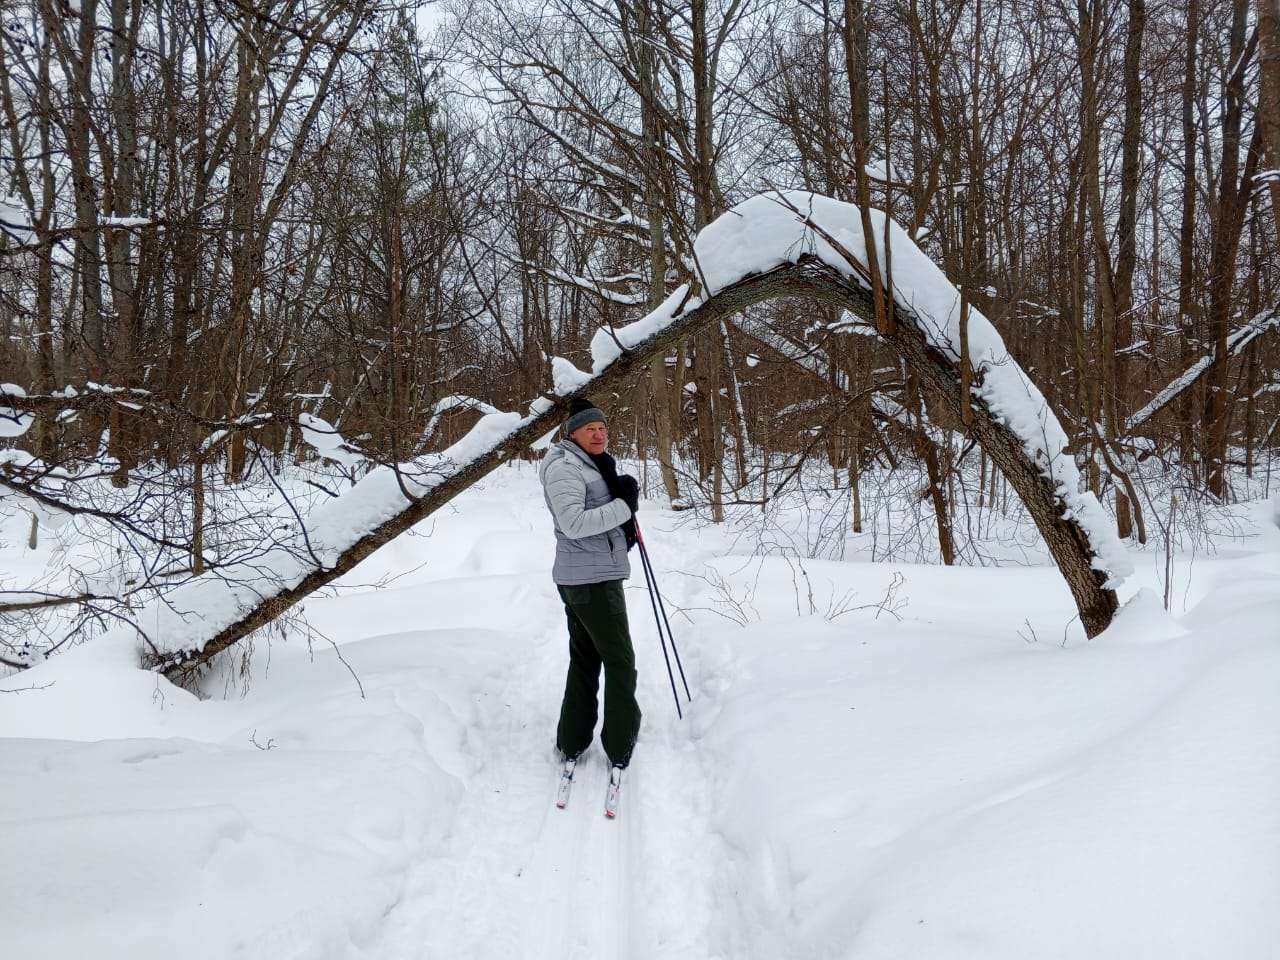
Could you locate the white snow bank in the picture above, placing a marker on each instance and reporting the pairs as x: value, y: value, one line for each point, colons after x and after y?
x: 769, y: 230
x: 94, y: 692
x: 1143, y: 620
x: 893, y: 790
x: 294, y: 822
x: 281, y: 826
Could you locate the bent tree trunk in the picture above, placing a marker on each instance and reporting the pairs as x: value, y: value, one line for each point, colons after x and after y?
x: 199, y: 636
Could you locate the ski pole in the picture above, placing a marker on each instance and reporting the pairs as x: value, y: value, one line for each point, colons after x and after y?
x: 652, y: 577
x: 644, y: 555
x: 661, y: 639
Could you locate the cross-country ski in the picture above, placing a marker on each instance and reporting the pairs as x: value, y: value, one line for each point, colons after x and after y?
x: 565, y: 784
x: 613, y: 795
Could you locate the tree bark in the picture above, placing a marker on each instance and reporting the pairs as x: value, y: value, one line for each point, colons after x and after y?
x: 1187, y: 229
x: 660, y: 401
x: 1127, y: 240
x: 1269, y: 95
x: 1228, y: 222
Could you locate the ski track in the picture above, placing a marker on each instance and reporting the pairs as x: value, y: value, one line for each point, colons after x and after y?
x: 518, y: 877
x: 619, y: 850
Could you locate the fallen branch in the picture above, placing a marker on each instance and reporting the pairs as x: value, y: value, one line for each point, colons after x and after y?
x: 1237, y: 341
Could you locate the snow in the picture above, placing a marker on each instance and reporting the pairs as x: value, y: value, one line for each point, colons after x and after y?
x: 146, y: 819
x: 770, y: 230
x: 883, y: 170
x: 320, y: 435
x: 1008, y: 803
x: 15, y: 222
x: 566, y: 378
x: 13, y: 422
x: 539, y: 406
x: 967, y: 778
x: 1237, y: 340
x: 596, y: 287
x: 608, y: 343
x: 455, y: 402
x: 196, y: 611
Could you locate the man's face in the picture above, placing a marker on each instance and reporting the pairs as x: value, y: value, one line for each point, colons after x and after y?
x: 593, y: 438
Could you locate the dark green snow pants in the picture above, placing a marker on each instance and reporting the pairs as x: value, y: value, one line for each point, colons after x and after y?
x: 598, y: 635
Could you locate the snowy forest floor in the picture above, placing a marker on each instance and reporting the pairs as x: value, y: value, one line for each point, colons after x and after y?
x: 962, y: 775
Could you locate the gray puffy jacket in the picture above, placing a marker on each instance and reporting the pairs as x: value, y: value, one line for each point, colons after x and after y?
x: 590, y: 545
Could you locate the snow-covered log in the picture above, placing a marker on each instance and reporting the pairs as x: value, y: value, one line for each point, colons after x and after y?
x: 792, y: 245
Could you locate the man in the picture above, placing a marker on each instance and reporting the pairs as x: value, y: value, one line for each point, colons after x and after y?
x: 591, y: 505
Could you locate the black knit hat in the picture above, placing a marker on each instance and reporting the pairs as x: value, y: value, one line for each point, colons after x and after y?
x: 581, y: 412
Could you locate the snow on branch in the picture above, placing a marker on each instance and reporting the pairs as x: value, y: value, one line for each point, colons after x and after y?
x: 15, y: 222
x: 609, y: 343
x: 566, y: 378
x: 806, y: 357
x: 69, y: 402
x: 321, y: 436
x: 13, y: 422
x: 1237, y: 341
x: 454, y: 402
x: 772, y: 229
x: 597, y: 287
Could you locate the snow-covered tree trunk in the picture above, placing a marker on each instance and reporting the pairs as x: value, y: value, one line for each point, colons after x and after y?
x: 1018, y: 432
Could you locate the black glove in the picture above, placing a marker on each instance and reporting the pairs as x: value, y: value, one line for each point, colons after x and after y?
x: 629, y: 491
